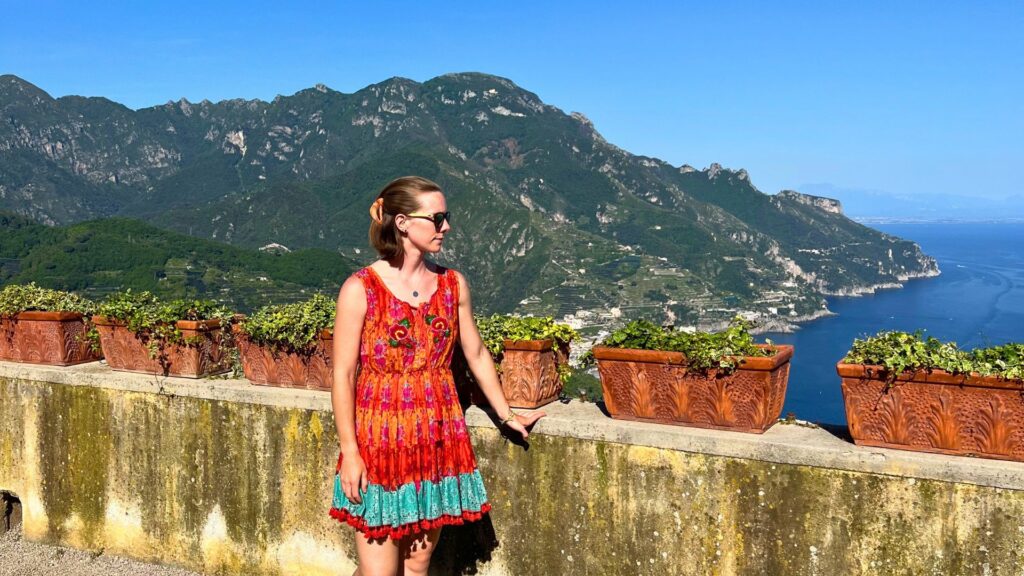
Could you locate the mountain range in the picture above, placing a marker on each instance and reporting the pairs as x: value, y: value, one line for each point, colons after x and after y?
x: 548, y: 216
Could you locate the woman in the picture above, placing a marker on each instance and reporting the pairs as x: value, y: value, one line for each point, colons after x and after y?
x: 406, y: 466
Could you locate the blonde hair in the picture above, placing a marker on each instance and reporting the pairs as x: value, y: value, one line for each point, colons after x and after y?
x: 400, y: 196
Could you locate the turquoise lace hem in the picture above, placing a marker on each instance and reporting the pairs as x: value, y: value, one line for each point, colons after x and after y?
x: 452, y: 496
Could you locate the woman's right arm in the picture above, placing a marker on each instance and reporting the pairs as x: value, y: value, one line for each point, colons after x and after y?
x: 348, y: 325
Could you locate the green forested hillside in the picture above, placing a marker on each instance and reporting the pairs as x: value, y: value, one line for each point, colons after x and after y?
x: 99, y: 256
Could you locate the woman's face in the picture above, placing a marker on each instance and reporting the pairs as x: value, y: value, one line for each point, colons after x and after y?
x: 422, y: 233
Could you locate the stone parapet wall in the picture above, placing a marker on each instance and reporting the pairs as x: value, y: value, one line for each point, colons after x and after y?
x: 225, y: 477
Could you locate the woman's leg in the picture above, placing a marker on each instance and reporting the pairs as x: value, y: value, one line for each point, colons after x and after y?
x: 416, y: 551
x: 377, y: 556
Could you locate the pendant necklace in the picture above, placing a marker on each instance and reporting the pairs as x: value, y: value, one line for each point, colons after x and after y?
x: 415, y: 293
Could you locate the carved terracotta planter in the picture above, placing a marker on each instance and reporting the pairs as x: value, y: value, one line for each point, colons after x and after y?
x: 967, y: 415
x: 657, y: 387
x: 529, y: 372
x: 54, y: 338
x: 265, y: 366
x: 127, y: 352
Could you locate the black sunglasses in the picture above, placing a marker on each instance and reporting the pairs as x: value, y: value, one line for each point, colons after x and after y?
x: 437, y: 218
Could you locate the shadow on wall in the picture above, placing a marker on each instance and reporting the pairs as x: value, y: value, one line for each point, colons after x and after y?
x: 465, y: 549
x: 10, y: 512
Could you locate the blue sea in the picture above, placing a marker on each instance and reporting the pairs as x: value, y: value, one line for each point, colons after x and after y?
x: 978, y: 300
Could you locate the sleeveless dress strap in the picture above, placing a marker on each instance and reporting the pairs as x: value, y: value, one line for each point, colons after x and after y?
x: 372, y: 290
x: 454, y: 283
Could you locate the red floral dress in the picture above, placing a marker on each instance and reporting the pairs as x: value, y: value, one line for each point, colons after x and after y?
x: 410, y: 428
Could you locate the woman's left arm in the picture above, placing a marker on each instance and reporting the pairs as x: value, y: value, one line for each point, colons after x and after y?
x: 482, y: 365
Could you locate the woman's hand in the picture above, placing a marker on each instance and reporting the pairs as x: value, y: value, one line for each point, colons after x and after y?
x: 353, y: 477
x: 522, y: 422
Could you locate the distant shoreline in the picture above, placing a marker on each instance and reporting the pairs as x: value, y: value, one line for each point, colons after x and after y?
x: 791, y: 325
x: 886, y: 220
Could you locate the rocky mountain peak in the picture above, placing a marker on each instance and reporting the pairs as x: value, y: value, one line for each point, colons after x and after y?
x: 582, y: 119
x: 396, y: 81
x: 486, y: 93
x: 715, y: 170
x: 477, y: 80
x: 588, y: 127
x: 830, y: 205
x: 184, y: 106
x: 15, y: 88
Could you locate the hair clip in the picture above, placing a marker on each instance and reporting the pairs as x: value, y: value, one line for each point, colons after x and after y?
x: 377, y: 210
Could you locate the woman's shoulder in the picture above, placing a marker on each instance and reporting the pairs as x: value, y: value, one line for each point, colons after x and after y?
x: 447, y: 272
x: 369, y: 271
x: 357, y: 281
x: 361, y: 273
x: 455, y: 280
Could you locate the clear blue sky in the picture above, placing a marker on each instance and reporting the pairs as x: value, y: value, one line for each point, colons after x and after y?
x: 905, y: 97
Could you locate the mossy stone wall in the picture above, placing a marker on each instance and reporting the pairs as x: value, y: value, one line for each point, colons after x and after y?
x: 243, y: 488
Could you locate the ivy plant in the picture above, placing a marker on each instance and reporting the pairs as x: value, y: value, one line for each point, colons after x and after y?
x: 702, y: 350
x: 293, y: 327
x: 17, y: 298
x: 497, y: 328
x: 899, y: 352
x: 154, y: 321
x: 1005, y: 361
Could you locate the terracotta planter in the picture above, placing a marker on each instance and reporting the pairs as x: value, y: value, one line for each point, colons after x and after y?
x: 935, y: 411
x: 127, y: 352
x: 657, y: 387
x: 267, y: 367
x: 54, y: 338
x: 528, y: 374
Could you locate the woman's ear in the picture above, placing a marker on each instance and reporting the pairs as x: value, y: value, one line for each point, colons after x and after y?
x: 401, y: 221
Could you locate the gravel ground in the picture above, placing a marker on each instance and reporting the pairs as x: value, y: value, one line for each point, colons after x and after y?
x: 21, y: 558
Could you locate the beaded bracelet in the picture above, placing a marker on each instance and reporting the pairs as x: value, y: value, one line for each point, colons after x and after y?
x: 511, y: 416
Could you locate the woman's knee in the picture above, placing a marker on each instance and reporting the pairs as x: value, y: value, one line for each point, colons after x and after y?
x: 417, y: 564
x: 377, y: 557
x: 417, y: 552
